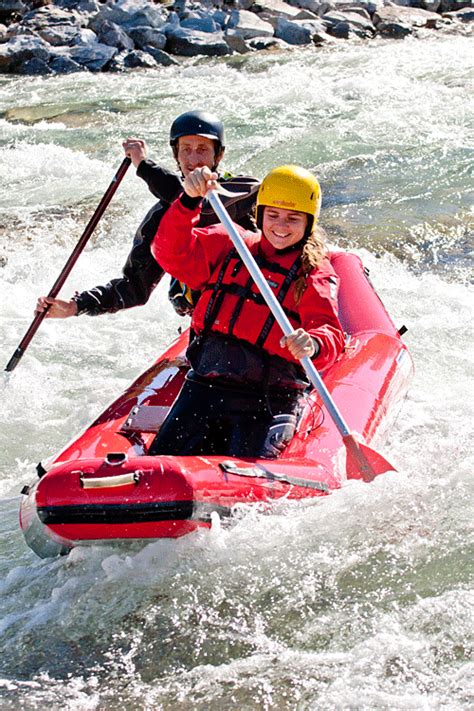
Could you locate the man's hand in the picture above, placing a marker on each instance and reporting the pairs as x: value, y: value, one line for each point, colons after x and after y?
x: 136, y: 150
x: 57, y: 308
x: 199, y: 182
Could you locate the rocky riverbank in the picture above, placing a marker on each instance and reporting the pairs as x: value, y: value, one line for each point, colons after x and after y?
x: 64, y: 36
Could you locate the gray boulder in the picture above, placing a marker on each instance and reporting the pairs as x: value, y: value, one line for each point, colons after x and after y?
x: 466, y: 14
x: 94, y: 57
x: 171, y: 25
x: 134, y: 59
x: 354, y: 20
x: 113, y: 35
x: 56, y: 26
x: 306, y: 15
x: 16, y: 30
x: 321, y: 39
x: 317, y: 6
x: 87, y: 7
x: 34, y: 67
x: 49, y: 16
x: 133, y: 13
x: 160, y: 57
x: 20, y: 49
x: 249, y: 25
x: 58, y: 35
x: 221, y: 18
x: 395, y: 30
x: 143, y: 36
x: 409, y: 16
x: 275, y: 8
x: 368, y: 6
x: 202, y: 24
x: 9, y: 8
x: 361, y: 11
x: 85, y: 38
x: 65, y: 65
x: 236, y: 42
x: 298, y: 32
x: 431, y: 5
x: 346, y: 30
x: 267, y: 43
x: 244, y: 4
x: 191, y: 43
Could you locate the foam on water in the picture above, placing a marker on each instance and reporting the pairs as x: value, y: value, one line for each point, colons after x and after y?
x: 361, y: 600
x: 53, y: 174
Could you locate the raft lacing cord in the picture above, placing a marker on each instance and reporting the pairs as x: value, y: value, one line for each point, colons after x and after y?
x: 258, y: 471
x: 313, y: 406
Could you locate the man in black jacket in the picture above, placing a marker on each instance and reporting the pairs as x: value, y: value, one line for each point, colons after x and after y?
x: 197, y: 139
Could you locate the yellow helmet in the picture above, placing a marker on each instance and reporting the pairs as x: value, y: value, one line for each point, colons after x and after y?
x: 292, y: 188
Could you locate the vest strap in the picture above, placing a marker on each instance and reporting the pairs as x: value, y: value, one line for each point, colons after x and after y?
x: 290, y: 275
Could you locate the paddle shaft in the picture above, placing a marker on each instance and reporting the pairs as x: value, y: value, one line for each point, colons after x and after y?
x: 275, y: 307
x: 58, y: 284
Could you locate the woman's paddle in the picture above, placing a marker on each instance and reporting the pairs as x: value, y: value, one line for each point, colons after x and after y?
x: 361, y: 460
x: 92, y: 224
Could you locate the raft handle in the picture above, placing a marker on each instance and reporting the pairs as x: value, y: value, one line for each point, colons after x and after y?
x: 115, y: 459
x: 108, y: 482
x: 40, y: 470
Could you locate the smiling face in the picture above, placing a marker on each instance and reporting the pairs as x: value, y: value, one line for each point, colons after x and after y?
x: 196, y: 152
x: 283, y: 228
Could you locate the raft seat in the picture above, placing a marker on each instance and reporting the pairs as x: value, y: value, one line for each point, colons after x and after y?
x: 145, y: 418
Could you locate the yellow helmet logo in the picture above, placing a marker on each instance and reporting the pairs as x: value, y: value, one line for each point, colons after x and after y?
x: 291, y: 187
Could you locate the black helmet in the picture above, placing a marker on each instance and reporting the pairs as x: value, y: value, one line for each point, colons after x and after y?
x: 197, y: 123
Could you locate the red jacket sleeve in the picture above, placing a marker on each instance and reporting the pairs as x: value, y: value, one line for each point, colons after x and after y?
x: 318, y: 312
x: 187, y: 252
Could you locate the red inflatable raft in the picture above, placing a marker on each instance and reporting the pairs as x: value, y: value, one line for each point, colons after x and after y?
x: 104, y: 487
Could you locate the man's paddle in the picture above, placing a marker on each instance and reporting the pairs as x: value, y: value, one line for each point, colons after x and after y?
x: 361, y: 460
x: 92, y: 224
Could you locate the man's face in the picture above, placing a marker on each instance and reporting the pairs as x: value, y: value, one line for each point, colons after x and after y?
x: 196, y: 152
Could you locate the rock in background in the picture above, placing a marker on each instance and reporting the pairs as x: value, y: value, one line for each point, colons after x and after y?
x: 64, y: 36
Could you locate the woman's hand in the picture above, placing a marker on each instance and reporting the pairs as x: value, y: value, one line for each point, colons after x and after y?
x: 136, y: 150
x: 199, y: 182
x: 299, y: 343
x: 56, y: 308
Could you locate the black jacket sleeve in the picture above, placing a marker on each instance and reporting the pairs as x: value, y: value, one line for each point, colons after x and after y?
x: 162, y: 183
x: 141, y: 273
x: 241, y: 207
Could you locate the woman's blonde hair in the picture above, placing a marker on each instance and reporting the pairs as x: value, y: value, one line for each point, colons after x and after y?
x: 314, y: 251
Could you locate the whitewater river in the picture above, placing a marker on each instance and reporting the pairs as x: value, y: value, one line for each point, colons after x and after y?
x: 362, y: 600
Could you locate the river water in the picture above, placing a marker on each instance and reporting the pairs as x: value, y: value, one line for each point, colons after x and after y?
x: 362, y: 600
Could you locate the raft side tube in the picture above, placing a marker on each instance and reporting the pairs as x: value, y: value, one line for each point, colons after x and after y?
x: 360, y: 307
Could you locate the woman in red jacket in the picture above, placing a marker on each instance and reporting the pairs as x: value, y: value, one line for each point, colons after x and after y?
x: 241, y: 395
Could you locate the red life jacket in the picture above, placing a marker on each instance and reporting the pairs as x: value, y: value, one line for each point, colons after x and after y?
x: 232, y: 305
